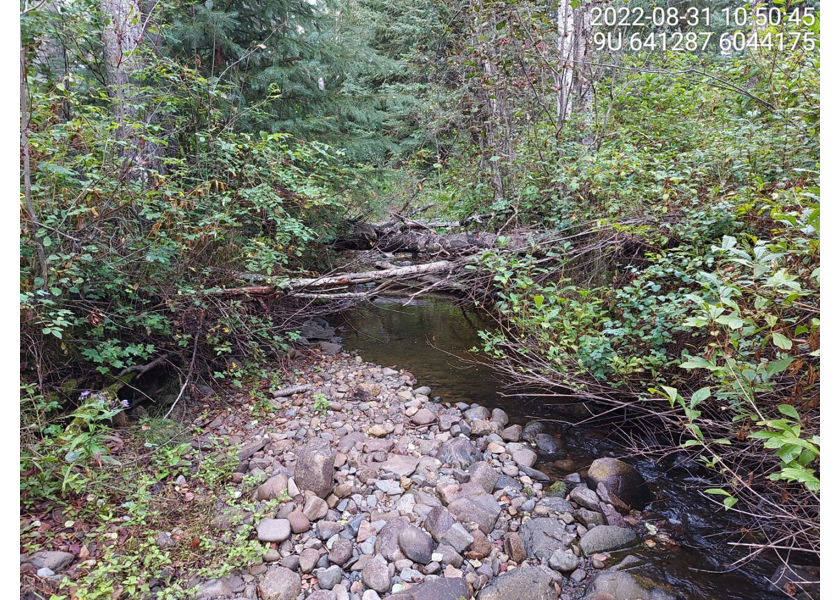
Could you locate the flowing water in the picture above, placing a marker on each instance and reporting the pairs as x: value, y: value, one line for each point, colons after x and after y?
x: 432, y: 339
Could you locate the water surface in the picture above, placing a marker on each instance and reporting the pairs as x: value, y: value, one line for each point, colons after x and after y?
x: 432, y: 339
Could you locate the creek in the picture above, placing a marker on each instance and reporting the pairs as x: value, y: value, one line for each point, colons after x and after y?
x: 432, y: 339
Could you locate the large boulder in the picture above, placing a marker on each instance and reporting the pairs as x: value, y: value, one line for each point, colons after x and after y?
x: 280, y: 583
x: 274, y: 487
x: 424, y: 417
x: 564, y: 561
x: 603, y: 538
x: 416, y: 544
x: 438, y: 522
x: 329, y: 578
x: 329, y: 348
x: 459, y: 453
x: 585, y: 497
x: 524, y: 457
x: 457, y: 537
x: 550, y: 446
x: 480, y: 508
x: 215, y: 588
x: 484, y: 427
x: 534, y: 583
x: 499, y: 416
x: 274, y: 530
x: 448, y: 588
x: 625, y: 586
x: 317, y: 329
x: 387, y: 542
x: 543, y: 536
x: 485, y: 475
x: 624, y: 485
x: 512, y: 433
x: 375, y: 575
x: 478, y: 413
x: 347, y: 443
x: 54, y: 560
x: 531, y: 429
x: 315, y: 468
x: 398, y: 464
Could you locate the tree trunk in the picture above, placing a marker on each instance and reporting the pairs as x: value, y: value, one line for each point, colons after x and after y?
x: 574, y: 74
x: 27, y: 175
x: 582, y: 87
x: 122, y: 40
x: 565, y: 53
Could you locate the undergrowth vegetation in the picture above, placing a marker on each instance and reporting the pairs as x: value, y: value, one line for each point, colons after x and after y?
x: 113, y: 494
x: 694, y: 302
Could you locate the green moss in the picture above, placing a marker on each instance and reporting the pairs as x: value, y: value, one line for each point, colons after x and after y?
x: 558, y: 488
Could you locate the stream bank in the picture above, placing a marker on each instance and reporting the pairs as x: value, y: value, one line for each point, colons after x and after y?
x: 381, y: 490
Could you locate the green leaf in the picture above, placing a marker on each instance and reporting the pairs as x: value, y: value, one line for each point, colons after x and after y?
x: 731, y: 321
x: 695, y: 430
x: 777, y: 366
x: 789, y: 453
x: 718, y: 492
x: 698, y: 396
x: 697, y: 362
x: 804, y: 476
x: 728, y: 242
x: 538, y: 300
x: 671, y: 392
x: 806, y: 457
x: 781, y: 341
x: 729, y: 502
x: 788, y: 411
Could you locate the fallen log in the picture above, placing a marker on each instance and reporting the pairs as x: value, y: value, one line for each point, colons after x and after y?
x: 301, y: 286
x: 368, y: 276
x: 455, y: 244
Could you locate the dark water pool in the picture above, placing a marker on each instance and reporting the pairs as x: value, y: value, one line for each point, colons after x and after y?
x: 431, y: 338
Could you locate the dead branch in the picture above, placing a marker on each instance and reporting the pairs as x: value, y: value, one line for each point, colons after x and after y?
x: 291, y: 390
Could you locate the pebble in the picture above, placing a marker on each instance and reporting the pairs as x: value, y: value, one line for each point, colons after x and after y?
x: 308, y: 560
x: 411, y: 494
x: 273, y: 530
x: 298, y: 521
x: 271, y: 556
x: 389, y: 486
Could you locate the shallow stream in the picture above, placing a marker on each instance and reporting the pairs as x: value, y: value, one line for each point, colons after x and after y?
x: 430, y: 337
